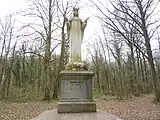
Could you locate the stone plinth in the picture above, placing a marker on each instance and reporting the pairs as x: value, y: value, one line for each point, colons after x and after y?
x: 76, y: 92
x: 76, y: 107
x: 99, y: 115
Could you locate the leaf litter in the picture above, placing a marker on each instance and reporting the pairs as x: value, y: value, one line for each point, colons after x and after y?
x: 138, y: 108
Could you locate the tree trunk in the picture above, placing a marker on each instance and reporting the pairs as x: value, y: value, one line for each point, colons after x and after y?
x: 152, y: 67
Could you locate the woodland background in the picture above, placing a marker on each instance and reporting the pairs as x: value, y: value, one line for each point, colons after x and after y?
x: 121, y: 56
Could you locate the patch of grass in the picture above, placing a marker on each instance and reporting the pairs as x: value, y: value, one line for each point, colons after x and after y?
x: 24, y: 95
x: 97, y: 94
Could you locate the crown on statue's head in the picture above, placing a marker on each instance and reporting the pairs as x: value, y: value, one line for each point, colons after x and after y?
x: 75, y: 12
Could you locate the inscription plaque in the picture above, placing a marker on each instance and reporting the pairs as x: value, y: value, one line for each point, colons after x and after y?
x: 76, y: 85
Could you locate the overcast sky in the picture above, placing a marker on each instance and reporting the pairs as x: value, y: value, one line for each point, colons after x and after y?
x: 7, y: 6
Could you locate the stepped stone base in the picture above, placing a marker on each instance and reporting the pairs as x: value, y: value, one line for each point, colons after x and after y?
x: 76, y: 107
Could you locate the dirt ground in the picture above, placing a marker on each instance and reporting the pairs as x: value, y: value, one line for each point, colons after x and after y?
x: 140, y: 108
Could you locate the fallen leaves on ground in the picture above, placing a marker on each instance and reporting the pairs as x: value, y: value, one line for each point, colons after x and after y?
x: 23, y: 111
x: 140, y: 108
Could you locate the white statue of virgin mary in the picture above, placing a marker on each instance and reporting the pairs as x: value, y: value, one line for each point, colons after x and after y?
x: 75, y: 32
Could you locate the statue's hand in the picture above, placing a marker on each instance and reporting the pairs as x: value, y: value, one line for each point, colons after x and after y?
x: 87, y: 19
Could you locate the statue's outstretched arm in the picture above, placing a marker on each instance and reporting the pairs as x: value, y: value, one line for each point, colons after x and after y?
x: 85, y: 23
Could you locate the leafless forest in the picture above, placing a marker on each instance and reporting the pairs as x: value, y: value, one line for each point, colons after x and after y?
x: 124, y: 62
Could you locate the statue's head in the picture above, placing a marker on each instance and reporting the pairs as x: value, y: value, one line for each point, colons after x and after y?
x: 75, y: 12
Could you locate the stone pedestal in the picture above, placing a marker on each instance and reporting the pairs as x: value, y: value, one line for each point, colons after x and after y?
x: 76, y: 92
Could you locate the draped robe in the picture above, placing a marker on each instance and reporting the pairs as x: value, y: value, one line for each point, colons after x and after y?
x: 75, y: 28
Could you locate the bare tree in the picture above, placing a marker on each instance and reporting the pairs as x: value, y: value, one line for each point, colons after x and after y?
x: 7, y: 37
x: 50, y: 17
x: 138, y: 13
x: 44, y: 11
